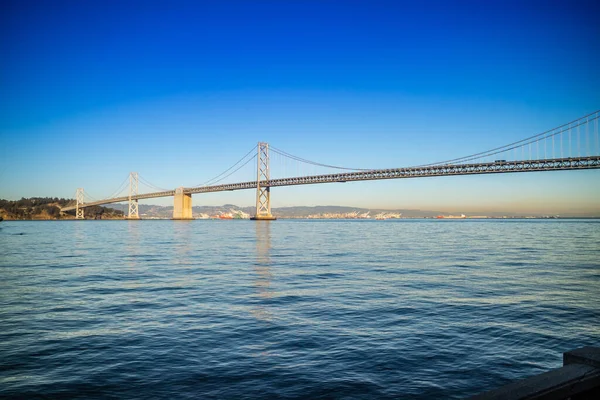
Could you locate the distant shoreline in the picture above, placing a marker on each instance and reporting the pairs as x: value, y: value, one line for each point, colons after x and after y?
x: 312, y: 219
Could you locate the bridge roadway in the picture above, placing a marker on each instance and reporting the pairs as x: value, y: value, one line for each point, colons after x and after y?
x: 554, y: 164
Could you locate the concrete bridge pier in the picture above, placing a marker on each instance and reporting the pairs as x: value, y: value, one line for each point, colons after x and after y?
x: 182, y: 207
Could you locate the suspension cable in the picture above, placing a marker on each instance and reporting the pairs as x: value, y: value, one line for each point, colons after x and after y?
x: 144, y: 181
x: 546, y: 134
x: 86, y: 195
x: 285, y: 154
x: 210, y: 181
x: 234, y: 171
x: 119, y: 190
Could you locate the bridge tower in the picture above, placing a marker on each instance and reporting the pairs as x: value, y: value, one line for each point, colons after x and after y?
x: 80, y: 200
x: 182, y: 206
x: 263, y: 190
x: 133, y: 191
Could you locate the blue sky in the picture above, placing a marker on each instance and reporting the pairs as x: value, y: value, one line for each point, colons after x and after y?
x: 179, y: 91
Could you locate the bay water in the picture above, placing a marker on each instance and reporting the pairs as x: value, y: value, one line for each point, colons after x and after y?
x: 291, y: 309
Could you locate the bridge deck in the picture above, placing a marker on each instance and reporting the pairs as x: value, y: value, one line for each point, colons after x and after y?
x: 555, y: 164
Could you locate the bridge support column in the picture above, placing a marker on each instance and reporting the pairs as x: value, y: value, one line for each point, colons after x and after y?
x: 263, y: 191
x: 80, y: 200
x: 133, y: 191
x: 182, y: 207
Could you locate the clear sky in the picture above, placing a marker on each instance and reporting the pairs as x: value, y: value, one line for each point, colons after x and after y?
x: 179, y: 91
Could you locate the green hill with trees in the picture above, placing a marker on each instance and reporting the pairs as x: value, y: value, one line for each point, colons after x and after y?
x: 40, y: 208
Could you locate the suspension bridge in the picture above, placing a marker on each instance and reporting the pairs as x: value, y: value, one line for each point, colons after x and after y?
x: 571, y: 146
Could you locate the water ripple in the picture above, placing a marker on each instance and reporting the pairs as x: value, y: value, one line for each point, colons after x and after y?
x: 291, y: 309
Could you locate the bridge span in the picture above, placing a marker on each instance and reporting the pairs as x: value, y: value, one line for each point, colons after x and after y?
x: 558, y: 137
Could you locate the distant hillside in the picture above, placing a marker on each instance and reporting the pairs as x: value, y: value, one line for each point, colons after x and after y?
x: 300, y: 212
x: 166, y: 212
x: 153, y: 211
x: 41, y: 208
